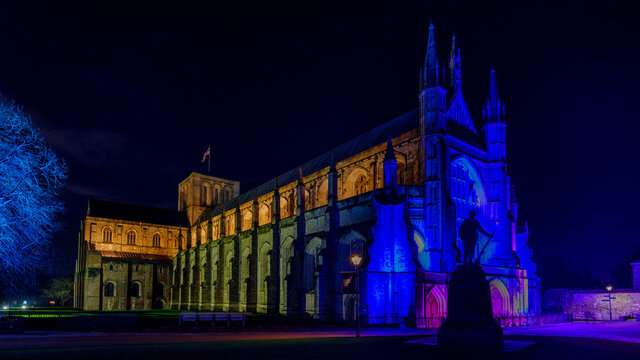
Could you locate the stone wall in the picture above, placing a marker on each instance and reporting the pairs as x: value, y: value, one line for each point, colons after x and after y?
x: 588, y: 304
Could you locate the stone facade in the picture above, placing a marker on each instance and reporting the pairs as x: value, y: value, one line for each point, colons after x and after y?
x: 124, y: 259
x: 396, y: 194
x: 589, y: 304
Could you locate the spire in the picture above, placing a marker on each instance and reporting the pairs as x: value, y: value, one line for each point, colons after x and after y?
x: 431, y: 67
x: 390, y: 165
x: 455, y: 65
x: 493, y: 86
x: 494, y: 110
x: 390, y: 154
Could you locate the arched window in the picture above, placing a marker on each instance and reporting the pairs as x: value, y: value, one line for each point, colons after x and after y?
x: 107, y: 235
x: 110, y: 289
x: 284, y: 207
x: 263, y: 215
x: 247, y: 220
x: 360, y: 185
x: 135, y: 289
x: 156, y: 240
x: 131, y: 237
x: 216, y: 196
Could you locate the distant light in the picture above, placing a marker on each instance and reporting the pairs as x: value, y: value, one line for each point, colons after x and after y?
x: 356, y: 260
x: 24, y: 302
x: 24, y: 306
x: 5, y: 307
x: 609, y: 287
x: 52, y: 302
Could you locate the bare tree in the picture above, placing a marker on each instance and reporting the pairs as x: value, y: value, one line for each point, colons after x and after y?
x: 31, y: 176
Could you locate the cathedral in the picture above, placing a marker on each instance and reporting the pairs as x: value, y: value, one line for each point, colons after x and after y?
x: 396, y: 195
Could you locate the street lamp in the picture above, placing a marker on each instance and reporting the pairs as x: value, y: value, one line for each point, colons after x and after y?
x: 608, y: 299
x: 356, y: 259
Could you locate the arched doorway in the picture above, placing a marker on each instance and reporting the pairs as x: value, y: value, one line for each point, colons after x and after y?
x: 434, y: 307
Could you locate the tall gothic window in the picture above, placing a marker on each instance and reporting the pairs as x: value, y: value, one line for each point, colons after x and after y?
x: 216, y: 196
x: 156, y: 240
x: 107, y: 235
x: 360, y: 185
x: 131, y: 237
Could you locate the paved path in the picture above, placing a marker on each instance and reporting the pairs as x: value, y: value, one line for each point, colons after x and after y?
x: 62, y: 339
x: 627, y: 331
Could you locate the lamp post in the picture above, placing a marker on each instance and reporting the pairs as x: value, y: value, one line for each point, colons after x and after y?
x: 356, y: 259
x: 609, y: 298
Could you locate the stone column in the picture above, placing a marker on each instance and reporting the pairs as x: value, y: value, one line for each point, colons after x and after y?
x: 273, y: 280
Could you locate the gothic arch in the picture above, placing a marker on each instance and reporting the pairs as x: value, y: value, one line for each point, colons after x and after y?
x: 286, y: 255
x: 284, y: 207
x: 499, y: 298
x: 323, y: 192
x: 356, y: 182
x: 107, y: 234
x: 131, y: 237
x: 263, y: 215
x: 474, y: 175
x: 349, y: 308
x: 467, y: 191
x: 346, y: 248
x: 247, y: 220
x: 312, y: 259
x: 435, y: 303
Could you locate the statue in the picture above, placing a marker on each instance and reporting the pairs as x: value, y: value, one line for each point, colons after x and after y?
x: 469, y: 235
x: 469, y: 321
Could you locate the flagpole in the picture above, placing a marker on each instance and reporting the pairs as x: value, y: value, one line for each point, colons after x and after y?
x: 209, y: 167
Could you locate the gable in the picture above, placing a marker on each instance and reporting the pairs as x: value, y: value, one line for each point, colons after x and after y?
x: 458, y: 112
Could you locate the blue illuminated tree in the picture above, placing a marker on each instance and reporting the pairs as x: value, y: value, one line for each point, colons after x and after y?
x: 31, y: 176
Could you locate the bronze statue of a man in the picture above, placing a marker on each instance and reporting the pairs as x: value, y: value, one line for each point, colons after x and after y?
x: 469, y: 235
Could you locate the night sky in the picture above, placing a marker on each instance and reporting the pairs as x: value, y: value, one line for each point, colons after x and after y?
x: 131, y: 95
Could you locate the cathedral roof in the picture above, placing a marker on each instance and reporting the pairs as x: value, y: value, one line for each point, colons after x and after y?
x: 371, y: 138
x: 137, y: 213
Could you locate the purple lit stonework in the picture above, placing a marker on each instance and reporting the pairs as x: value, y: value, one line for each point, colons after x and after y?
x: 399, y: 191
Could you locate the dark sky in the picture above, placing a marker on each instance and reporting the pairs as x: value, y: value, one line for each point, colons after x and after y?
x: 131, y: 95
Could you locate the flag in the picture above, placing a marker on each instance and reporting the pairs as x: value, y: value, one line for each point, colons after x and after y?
x: 206, y: 153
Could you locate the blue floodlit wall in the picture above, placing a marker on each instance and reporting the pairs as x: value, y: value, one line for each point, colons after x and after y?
x: 390, y: 277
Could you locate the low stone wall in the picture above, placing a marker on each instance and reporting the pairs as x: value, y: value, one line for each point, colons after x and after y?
x: 589, y: 304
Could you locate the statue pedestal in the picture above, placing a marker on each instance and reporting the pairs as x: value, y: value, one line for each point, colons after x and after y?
x: 469, y: 314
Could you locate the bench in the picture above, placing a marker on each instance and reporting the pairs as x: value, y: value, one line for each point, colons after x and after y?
x: 182, y: 317
x: 238, y: 316
x: 221, y: 316
x: 212, y: 318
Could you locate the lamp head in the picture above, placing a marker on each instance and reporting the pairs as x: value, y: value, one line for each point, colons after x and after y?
x: 356, y: 259
x: 609, y: 287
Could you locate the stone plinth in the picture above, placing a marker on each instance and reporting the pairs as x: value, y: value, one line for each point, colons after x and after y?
x: 469, y: 314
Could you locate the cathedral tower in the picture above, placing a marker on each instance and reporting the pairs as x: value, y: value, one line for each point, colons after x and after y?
x: 198, y: 191
x: 432, y: 112
x: 499, y: 189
